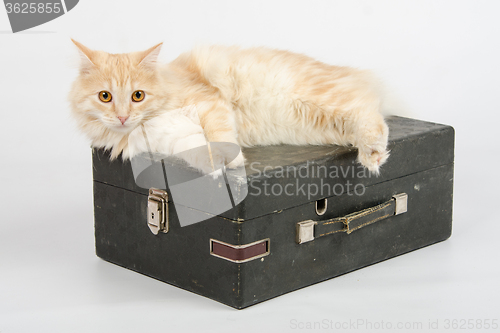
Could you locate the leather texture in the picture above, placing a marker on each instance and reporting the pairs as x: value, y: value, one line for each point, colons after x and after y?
x: 356, y: 220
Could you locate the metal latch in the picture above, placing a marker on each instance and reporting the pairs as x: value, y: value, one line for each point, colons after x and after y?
x: 157, y: 211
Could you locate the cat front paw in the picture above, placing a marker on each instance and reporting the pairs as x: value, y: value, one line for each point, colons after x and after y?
x: 213, y: 160
x: 220, y: 163
x: 238, y: 162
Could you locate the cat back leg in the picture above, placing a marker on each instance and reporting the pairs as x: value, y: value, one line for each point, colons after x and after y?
x: 369, y: 135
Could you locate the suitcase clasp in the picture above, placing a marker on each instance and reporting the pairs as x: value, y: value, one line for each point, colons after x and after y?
x: 157, y: 211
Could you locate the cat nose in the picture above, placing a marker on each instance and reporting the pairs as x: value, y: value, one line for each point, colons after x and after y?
x: 123, y: 119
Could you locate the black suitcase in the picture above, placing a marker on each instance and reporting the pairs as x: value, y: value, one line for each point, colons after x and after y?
x: 309, y: 213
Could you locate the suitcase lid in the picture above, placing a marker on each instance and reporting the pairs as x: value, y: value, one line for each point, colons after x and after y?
x: 285, y: 176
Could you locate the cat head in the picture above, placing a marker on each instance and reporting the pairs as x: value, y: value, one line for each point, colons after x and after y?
x: 115, y: 93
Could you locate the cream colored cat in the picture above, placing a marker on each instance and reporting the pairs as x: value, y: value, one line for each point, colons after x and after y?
x: 249, y: 97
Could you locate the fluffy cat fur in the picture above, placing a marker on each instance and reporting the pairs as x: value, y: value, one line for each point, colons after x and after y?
x: 250, y: 97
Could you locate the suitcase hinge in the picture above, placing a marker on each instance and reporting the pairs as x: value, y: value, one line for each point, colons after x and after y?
x: 157, y: 211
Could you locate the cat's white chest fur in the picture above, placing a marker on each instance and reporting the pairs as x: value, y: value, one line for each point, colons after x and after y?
x: 168, y: 134
x: 174, y: 132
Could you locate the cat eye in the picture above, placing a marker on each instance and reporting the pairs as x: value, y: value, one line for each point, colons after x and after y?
x: 138, y: 95
x: 105, y: 96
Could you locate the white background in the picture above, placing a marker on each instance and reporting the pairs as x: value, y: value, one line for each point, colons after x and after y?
x: 440, y: 57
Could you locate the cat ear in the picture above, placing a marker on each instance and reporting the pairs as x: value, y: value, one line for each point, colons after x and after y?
x: 86, y: 56
x: 149, y: 57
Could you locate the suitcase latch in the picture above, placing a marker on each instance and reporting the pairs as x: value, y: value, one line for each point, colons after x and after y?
x: 157, y: 211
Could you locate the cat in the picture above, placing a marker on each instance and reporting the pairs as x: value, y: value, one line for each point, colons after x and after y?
x: 249, y: 97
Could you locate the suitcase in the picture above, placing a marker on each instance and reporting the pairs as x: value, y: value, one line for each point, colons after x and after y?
x: 306, y: 214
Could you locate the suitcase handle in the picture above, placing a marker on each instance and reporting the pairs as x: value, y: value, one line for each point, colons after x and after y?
x: 308, y: 230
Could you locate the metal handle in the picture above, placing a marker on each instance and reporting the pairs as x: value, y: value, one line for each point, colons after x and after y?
x: 309, y: 230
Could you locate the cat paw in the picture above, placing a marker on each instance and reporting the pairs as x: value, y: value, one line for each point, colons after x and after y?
x: 372, y: 159
x: 372, y: 144
x: 213, y: 162
x: 238, y: 162
x: 220, y: 163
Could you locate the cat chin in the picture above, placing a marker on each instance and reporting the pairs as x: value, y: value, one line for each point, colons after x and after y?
x: 123, y: 129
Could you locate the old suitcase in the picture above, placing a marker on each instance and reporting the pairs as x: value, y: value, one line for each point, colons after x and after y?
x: 310, y: 214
